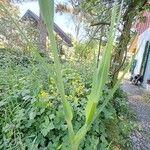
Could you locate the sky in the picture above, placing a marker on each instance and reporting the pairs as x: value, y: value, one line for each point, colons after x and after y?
x: 63, y: 21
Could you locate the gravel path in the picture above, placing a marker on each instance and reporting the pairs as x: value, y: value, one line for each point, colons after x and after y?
x: 140, y: 137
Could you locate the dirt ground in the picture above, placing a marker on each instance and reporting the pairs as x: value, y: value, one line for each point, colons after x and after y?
x: 139, y: 100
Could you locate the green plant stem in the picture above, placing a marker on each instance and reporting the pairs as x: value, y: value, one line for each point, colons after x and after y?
x: 47, y: 11
x: 59, y: 82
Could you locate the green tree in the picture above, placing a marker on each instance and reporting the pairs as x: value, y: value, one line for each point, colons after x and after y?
x: 97, y: 14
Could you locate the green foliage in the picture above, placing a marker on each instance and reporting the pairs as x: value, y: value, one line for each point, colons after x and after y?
x: 100, y: 76
x: 37, y: 101
x: 31, y: 111
x: 85, y: 50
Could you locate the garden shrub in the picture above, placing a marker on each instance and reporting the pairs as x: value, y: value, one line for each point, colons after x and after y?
x: 32, y: 113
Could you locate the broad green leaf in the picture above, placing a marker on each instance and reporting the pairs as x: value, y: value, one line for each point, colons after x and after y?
x: 32, y: 114
x: 51, y: 126
x: 52, y: 116
x: 68, y: 111
x: 90, y: 111
x: 44, y: 132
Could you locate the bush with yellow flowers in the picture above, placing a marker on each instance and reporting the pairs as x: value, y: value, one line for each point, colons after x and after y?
x: 32, y: 113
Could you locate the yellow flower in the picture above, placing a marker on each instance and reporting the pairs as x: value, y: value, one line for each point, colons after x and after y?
x: 49, y: 104
x: 44, y: 94
x: 52, y: 81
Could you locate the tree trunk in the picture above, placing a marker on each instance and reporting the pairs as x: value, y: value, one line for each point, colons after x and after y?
x: 124, y: 39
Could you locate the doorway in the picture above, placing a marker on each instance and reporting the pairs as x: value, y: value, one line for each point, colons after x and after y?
x: 145, y: 58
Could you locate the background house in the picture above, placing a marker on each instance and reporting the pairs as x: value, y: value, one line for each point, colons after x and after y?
x: 141, y: 47
x: 62, y: 38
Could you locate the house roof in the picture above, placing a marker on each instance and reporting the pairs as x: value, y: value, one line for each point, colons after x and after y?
x: 57, y: 29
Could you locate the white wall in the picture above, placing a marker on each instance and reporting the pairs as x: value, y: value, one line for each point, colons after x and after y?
x: 143, y: 38
x: 139, y: 55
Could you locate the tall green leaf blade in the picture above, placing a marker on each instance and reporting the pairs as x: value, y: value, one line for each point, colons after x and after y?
x: 105, y: 63
x: 47, y: 11
x: 111, y: 93
x: 94, y: 79
x: 80, y: 135
x: 90, y: 111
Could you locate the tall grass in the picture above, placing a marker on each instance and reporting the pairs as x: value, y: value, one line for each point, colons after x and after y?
x: 99, y: 80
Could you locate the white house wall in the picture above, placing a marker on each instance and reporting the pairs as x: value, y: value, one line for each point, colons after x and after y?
x: 143, y: 38
x: 139, y: 55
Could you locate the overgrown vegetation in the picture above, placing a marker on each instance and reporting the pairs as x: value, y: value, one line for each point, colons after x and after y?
x: 52, y: 105
x: 31, y: 110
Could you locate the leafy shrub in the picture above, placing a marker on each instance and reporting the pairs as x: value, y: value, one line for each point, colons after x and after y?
x: 32, y: 115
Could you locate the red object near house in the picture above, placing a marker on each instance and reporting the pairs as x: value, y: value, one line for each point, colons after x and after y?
x: 143, y: 23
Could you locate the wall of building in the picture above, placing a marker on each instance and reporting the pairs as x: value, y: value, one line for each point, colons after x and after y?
x: 143, y: 38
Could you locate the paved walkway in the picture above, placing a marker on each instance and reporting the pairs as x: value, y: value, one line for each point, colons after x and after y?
x: 141, y: 107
